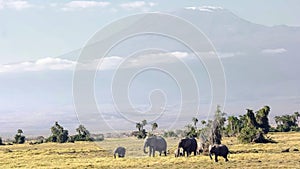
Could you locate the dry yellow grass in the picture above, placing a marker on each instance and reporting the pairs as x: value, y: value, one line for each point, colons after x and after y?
x: 99, y: 155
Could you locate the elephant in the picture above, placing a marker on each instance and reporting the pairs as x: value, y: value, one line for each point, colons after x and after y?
x: 218, y: 150
x: 188, y: 145
x: 155, y: 143
x: 120, y: 151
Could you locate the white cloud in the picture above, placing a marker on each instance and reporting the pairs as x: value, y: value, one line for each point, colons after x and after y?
x: 46, y: 64
x: 12, y: 4
x: 274, y: 51
x: 205, y: 8
x: 110, y: 63
x: 39, y: 65
x: 180, y: 54
x: 107, y: 63
x: 137, y: 5
x: 84, y: 4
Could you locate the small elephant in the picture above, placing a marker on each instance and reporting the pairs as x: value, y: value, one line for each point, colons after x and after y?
x: 120, y: 151
x: 218, y: 150
x: 188, y: 145
x: 155, y: 143
x: 200, y: 148
x: 178, y: 153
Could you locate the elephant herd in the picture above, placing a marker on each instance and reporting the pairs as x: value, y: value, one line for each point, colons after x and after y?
x: 186, y: 147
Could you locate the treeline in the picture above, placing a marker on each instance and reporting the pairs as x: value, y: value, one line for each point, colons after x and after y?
x: 59, y: 135
x: 249, y: 127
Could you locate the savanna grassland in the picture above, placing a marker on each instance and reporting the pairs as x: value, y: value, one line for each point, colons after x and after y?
x: 99, y: 155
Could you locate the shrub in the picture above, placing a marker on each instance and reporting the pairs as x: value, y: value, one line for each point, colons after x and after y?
x: 1, y: 143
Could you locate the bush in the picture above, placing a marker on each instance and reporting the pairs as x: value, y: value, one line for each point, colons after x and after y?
x: 247, y: 134
x: 170, y: 134
x: 58, y: 134
x: 1, y: 143
x: 97, y: 137
x: 19, y: 139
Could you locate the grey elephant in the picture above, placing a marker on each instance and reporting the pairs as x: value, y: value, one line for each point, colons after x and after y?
x: 155, y: 143
x: 120, y: 151
x: 218, y: 150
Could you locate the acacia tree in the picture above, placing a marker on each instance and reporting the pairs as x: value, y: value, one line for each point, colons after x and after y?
x: 256, y: 127
x: 141, y: 134
x: 58, y: 134
x: 154, y: 126
x: 83, y: 134
x: 19, y: 138
x: 262, y: 119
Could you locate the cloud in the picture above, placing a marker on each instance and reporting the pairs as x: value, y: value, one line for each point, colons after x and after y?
x: 274, y: 51
x: 110, y: 63
x: 137, y: 5
x: 46, y: 64
x: 84, y: 4
x: 16, y: 5
x: 106, y: 63
x: 39, y: 65
x: 205, y: 8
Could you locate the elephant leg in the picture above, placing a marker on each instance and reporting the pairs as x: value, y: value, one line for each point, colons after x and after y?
x: 165, y: 153
x: 195, y: 152
x: 216, y: 158
x: 226, y: 159
x: 153, y: 153
x: 150, y: 151
x: 183, y: 154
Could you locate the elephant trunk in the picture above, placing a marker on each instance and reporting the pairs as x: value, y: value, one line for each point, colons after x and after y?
x: 178, y: 152
x: 210, y: 151
x: 145, y: 146
x: 210, y: 155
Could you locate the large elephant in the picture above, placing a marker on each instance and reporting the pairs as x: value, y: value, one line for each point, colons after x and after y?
x: 155, y: 143
x: 120, y: 151
x: 218, y: 150
x: 188, y: 145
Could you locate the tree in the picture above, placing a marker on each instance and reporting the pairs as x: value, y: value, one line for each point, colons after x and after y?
x: 141, y: 134
x: 262, y: 119
x: 195, y: 121
x: 144, y: 123
x: 154, y: 126
x: 234, y: 126
x: 58, y: 134
x: 190, y: 131
x: 217, y: 126
x: 20, y: 131
x: 138, y: 126
x: 19, y: 138
x: 83, y: 134
x: 287, y: 123
x: 256, y: 127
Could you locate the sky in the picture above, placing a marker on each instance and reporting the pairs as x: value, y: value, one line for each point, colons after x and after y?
x: 256, y: 42
x: 35, y: 29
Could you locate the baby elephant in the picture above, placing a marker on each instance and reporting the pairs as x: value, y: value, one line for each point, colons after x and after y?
x: 218, y: 150
x: 120, y: 151
x: 178, y: 153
